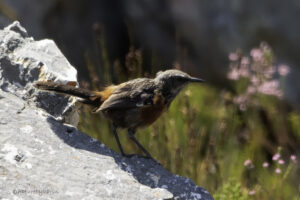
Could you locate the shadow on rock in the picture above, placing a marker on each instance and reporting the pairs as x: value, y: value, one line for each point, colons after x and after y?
x: 146, y: 171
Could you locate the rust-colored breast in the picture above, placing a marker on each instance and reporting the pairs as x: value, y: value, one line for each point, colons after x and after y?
x: 150, y: 114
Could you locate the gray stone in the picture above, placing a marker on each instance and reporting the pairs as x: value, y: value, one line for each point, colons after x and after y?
x: 42, y: 158
x: 24, y: 61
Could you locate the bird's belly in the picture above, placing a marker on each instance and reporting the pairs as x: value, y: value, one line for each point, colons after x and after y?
x: 150, y: 114
x: 123, y: 118
x: 134, y: 118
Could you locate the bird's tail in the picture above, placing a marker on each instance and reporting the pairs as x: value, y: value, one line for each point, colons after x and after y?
x: 86, y: 96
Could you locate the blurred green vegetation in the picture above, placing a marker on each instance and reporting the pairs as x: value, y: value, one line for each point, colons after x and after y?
x: 210, y: 137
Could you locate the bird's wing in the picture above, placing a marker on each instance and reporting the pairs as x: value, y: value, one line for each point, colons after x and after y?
x: 138, y: 93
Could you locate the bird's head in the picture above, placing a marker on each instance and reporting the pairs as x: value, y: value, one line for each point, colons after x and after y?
x: 172, y: 81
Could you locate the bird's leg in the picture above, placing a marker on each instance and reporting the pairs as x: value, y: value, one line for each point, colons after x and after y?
x: 114, y: 129
x: 131, y: 133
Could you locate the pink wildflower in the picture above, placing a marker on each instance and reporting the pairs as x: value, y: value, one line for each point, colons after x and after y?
x: 240, y: 99
x: 254, y: 80
x: 252, y: 192
x: 278, y: 171
x: 248, y: 163
x: 265, y: 164
x: 256, y: 54
x: 276, y: 156
x: 244, y: 72
x: 270, y: 88
x: 233, y: 57
x: 251, y: 90
x: 281, y: 162
x: 293, y: 158
x: 245, y: 61
x: 283, y: 70
x: 243, y: 107
x: 233, y: 74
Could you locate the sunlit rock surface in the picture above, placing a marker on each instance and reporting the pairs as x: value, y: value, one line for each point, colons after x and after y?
x: 24, y: 60
x: 42, y: 158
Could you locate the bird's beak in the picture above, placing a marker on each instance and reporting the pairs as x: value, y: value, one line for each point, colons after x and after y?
x: 199, y: 80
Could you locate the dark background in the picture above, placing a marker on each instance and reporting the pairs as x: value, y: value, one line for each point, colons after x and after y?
x: 197, y: 35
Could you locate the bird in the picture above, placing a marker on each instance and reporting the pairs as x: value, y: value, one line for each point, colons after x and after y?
x: 130, y: 105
